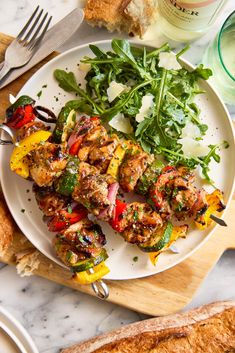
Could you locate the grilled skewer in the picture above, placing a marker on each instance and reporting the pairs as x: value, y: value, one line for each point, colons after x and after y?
x: 76, y: 160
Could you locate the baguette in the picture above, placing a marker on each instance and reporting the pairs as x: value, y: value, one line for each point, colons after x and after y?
x: 131, y: 16
x: 6, y: 227
x: 207, y: 329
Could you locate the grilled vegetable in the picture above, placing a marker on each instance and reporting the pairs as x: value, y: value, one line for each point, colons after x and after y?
x: 149, y: 177
x: 116, y: 161
x: 18, y: 163
x: 86, y: 278
x: 67, y: 182
x: 118, y: 215
x: 64, y: 125
x: 159, y: 240
x: 64, y: 219
x: 90, y: 262
x: 177, y: 232
x: 215, y: 207
x: 21, y: 112
x: 133, y: 167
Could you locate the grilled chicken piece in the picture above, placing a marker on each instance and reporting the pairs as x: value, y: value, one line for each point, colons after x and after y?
x: 139, y: 222
x: 201, y: 204
x: 30, y: 128
x: 85, y: 233
x: 47, y: 162
x: 81, y: 240
x: 186, y: 173
x: 101, y: 154
x: 92, y: 188
x: 184, y: 197
x: 48, y: 200
x: 92, y: 138
x: 133, y: 168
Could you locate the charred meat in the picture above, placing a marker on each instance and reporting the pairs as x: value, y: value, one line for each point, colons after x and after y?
x: 92, y: 189
x: 47, y: 162
x: 133, y: 167
x: 139, y: 222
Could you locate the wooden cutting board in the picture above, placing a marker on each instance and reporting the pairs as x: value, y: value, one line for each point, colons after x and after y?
x: 161, y: 294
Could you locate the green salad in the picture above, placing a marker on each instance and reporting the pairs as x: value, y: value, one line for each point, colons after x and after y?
x: 150, y: 96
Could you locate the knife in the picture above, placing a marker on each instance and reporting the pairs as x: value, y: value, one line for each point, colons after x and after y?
x: 53, y: 39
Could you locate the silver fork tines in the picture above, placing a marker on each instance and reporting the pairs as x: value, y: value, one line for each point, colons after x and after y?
x: 24, y: 46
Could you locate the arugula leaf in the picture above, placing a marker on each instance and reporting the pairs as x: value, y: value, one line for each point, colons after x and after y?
x: 80, y: 105
x: 123, y: 49
x: 201, y: 72
x: 173, y: 90
x: 97, y: 51
x: 110, y: 113
x: 66, y: 80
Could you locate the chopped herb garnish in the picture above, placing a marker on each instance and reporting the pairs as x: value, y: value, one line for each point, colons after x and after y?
x: 39, y: 94
x: 69, y: 255
x: 81, y: 239
x: 135, y: 258
x: 135, y: 216
x: 22, y: 210
x: 70, y: 210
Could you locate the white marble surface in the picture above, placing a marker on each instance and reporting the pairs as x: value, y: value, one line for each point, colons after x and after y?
x: 56, y: 316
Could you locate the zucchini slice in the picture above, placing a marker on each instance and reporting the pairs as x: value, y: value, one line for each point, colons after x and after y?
x: 68, y: 180
x: 64, y: 125
x: 158, y: 241
x: 89, y: 263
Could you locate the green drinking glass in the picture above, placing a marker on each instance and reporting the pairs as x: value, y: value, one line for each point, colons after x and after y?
x: 220, y: 57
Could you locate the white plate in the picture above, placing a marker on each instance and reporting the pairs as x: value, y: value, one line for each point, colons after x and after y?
x: 120, y: 262
x: 13, y: 337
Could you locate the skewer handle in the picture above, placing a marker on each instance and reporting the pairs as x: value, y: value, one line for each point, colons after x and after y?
x: 101, y: 289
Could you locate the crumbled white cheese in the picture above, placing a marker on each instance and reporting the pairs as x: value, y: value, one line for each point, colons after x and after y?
x: 191, y: 130
x: 146, y: 107
x: 115, y: 89
x: 193, y: 148
x: 12, y: 98
x: 120, y: 123
x: 85, y: 67
x: 168, y: 61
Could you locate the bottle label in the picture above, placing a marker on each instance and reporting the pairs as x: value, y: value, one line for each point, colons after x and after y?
x: 190, y: 14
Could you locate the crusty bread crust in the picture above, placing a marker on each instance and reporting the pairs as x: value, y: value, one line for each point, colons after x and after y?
x: 6, y: 227
x: 131, y: 16
x: 27, y: 262
x: 208, y: 329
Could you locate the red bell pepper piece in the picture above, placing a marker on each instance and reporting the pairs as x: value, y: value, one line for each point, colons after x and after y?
x: 22, y: 116
x: 75, y: 147
x: 64, y: 219
x: 119, y: 210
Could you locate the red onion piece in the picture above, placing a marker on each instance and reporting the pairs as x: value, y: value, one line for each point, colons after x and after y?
x: 112, y: 195
x: 81, y: 128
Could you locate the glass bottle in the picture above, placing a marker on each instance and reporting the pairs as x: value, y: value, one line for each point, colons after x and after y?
x: 186, y: 20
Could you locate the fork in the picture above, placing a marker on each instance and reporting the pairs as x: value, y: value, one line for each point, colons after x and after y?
x: 24, y: 46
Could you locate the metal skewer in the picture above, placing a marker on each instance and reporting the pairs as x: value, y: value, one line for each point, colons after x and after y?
x: 100, y: 287
x: 10, y: 132
x: 218, y: 220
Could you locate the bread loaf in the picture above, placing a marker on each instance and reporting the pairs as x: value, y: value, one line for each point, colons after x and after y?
x: 6, y: 228
x: 208, y: 329
x: 131, y: 16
